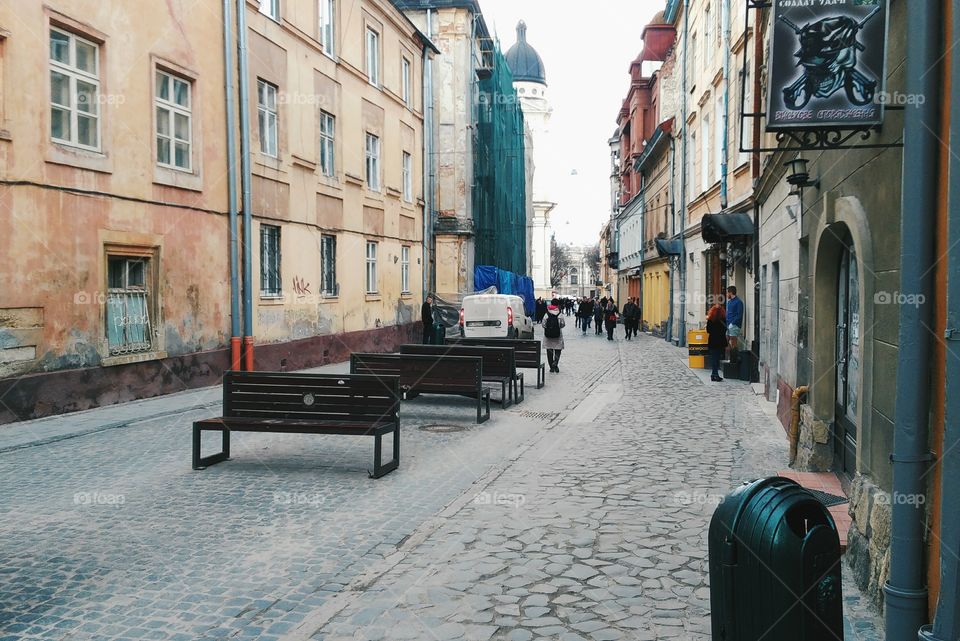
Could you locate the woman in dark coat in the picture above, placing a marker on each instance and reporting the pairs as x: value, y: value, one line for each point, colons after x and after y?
x: 717, y: 339
x: 598, y: 314
x: 610, y: 313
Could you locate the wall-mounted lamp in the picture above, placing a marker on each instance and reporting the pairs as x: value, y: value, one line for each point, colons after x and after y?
x: 798, y: 175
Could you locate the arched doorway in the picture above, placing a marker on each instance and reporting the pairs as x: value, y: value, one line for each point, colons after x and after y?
x: 849, y: 334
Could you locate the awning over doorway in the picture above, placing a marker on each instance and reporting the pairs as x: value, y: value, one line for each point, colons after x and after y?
x: 667, y: 247
x: 720, y: 228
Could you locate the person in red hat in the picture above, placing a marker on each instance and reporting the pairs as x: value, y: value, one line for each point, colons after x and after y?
x: 553, y: 337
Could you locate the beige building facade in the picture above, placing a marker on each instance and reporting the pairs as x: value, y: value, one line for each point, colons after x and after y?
x: 114, y: 238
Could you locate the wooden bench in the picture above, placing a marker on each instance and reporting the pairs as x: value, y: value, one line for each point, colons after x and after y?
x: 499, y: 365
x: 528, y: 353
x: 430, y: 374
x: 306, y: 404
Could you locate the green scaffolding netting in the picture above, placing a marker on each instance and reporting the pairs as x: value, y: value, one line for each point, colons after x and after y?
x: 499, y: 194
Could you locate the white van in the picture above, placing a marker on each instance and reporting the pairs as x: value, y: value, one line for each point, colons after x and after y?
x: 494, y: 316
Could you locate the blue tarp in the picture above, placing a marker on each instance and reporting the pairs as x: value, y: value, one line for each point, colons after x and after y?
x: 485, y: 276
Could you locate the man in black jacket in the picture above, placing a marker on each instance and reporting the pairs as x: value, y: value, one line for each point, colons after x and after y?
x: 426, y: 314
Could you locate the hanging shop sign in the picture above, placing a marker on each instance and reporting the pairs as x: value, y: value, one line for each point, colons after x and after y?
x: 827, y: 64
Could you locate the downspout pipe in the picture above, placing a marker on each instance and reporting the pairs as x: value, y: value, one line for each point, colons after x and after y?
x: 428, y: 157
x: 682, y: 325
x: 244, y: 90
x: 946, y: 624
x: 231, y: 186
x: 673, y: 231
x: 724, y: 155
x: 905, y: 591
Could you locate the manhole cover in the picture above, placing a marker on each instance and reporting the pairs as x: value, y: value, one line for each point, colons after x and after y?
x: 444, y: 428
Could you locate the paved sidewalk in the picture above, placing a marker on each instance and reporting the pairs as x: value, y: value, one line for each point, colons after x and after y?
x: 578, y: 514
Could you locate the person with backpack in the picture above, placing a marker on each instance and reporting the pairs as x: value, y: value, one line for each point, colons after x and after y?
x: 553, y: 337
x: 610, y: 314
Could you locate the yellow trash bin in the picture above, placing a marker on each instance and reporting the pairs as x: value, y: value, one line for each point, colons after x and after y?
x: 697, y: 342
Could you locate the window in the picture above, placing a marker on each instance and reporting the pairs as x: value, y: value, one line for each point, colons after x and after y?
x: 373, y: 162
x: 691, y: 168
x: 328, y: 260
x: 173, y: 121
x: 371, y: 268
x: 270, y: 8
x: 326, y: 144
x: 326, y: 25
x: 719, y: 149
x: 270, y: 284
x: 373, y: 57
x: 692, y: 62
x: 405, y: 269
x: 74, y: 90
x: 406, y: 82
x: 128, y: 305
x: 744, y: 138
x: 705, y: 156
x: 574, y: 277
x: 267, y: 117
x: 407, y: 177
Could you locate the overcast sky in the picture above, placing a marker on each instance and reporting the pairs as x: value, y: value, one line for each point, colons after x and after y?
x: 587, y: 53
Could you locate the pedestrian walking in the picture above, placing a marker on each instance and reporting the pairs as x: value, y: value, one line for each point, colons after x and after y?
x: 628, y: 310
x: 426, y: 315
x: 734, y: 319
x: 610, y: 314
x: 586, y: 314
x: 716, y: 340
x: 598, y: 314
x: 540, y: 310
x: 553, y: 337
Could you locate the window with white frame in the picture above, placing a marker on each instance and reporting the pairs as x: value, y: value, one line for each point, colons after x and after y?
x: 174, y: 121
x: 371, y: 267
x: 719, y: 126
x: 327, y: 129
x: 326, y: 26
x: 405, y: 269
x: 691, y: 168
x: 74, y: 90
x: 270, y: 283
x: 707, y: 39
x: 328, y: 264
x: 406, y: 80
x: 747, y: 108
x: 574, y: 276
x: 270, y: 8
x: 373, y: 57
x: 692, y: 61
x: 705, y: 156
x: 373, y: 162
x: 128, y: 308
x: 267, y: 117
x: 407, y: 177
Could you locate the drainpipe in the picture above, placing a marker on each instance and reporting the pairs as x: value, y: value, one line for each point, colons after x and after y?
x: 946, y: 624
x: 245, y: 185
x: 682, y: 325
x: 673, y: 231
x: 794, y: 434
x: 231, y: 187
x: 429, y: 283
x: 905, y: 591
x: 725, y: 22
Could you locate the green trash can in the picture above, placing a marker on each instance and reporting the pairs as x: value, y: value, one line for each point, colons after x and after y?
x: 439, y: 336
x: 774, y: 565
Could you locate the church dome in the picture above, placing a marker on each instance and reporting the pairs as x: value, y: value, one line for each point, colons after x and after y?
x: 524, y: 61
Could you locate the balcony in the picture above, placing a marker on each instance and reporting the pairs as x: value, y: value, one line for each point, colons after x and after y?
x: 613, y: 260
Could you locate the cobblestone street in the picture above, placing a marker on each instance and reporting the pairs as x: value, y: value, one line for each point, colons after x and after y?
x: 580, y: 513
